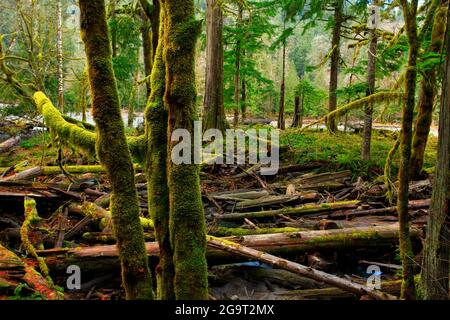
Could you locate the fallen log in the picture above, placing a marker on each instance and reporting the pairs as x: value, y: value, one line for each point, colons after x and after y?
x: 266, y: 201
x: 283, y: 243
x: 13, y: 272
x: 8, y: 144
x: 331, y: 293
x: 298, y: 211
x: 298, y: 268
x: 413, y: 205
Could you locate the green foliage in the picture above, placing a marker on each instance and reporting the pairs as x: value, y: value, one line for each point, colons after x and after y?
x: 313, y: 97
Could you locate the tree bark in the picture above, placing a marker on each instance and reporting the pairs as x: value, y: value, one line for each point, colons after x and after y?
x: 371, y: 78
x: 113, y: 151
x: 214, y: 112
x: 187, y: 221
x: 281, y: 119
x: 237, y: 75
x: 435, y: 269
x: 406, y: 253
x: 427, y: 98
x: 335, y: 57
x: 156, y: 118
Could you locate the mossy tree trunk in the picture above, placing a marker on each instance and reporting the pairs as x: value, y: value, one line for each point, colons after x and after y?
x: 335, y: 57
x: 214, y: 112
x: 427, y: 98
x: 113, y: 151
x: 371, y: 78
x: 59, y: 54
x: 435, y: 269
x: 187, y: 221
x: 406, y: 252
x: 156, y: 118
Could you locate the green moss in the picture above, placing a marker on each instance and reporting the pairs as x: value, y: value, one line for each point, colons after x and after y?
x: 113, y: 151
x: 226, y: 232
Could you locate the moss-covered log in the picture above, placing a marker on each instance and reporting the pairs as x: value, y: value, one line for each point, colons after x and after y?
x: 302, y: 210
x: 280, y: 244
x: 187, y: 221
x: 156, y: 119
x: 113, y: 151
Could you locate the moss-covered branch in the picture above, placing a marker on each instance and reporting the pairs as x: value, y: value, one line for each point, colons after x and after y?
x: 360, y: 103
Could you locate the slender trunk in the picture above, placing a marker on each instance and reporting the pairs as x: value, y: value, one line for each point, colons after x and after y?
x: 214, y: 112
x: 187, y: 221
x: 237, y: 75
x: 295, y: 122
x: 112, y: 17
x: 133, y: 95
x: 84, y: 89
x: 147, y: 52
x: 335, y: 56
x: 426, y: 99
x: 156, y: 118
x: 113, y: 151
x: 59, y: 54
x: 281, y: 119
x: 435, y: 269
x: 244, y: 98
x: 406, y: 253
x: 371, y: 69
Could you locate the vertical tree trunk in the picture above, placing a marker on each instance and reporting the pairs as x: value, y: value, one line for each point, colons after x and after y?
x: 147, y: 53
x: 295, y: 122
x: 368, y: 110
x: 281, y: 119
x: 244, y: 98
x: 113, y: 151
x: 214, y: 112
x: 59, y: 54
x: 187, y: 221
x: 335, y: 57
x: 426, y: 99
x: 435, y: 269
x: 112, y: 17
x: 237, y: 75
x: 406, y: 253
x: 83, y: 93
x: 156, y: 118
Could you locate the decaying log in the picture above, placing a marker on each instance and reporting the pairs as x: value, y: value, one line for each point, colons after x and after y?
x: 282, y: 243
x: 14, y: 271
x: 298, y: 211
x: 413, y: 205
x: 8, y: 144
x: 305, y: 271
x: 266, y: 201
x: 390, y: 287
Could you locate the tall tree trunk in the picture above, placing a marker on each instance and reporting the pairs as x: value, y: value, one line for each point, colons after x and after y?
x: 83, y: 94
x: 335, y: 57
x: 427, y: 97
x: 113, y: 151
x: 187, y: 221
x: 59, y: 54
x: 368, y: 110
x: 112, y: 17
x: 214, y: 112
x: 406, y: 252
x: 435, y: 269
x: 237, y: 75
x: 244, y: 98
x: 281, y: 119
x: 156, y: 118
x: 295, y: 122
x: 147, y: 53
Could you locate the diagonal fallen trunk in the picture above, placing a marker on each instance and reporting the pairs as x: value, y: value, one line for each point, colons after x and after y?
x: 298, y: 268
x: 284, y: 243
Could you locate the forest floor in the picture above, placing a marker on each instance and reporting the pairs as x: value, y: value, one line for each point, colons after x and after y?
x: 325, y: 209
